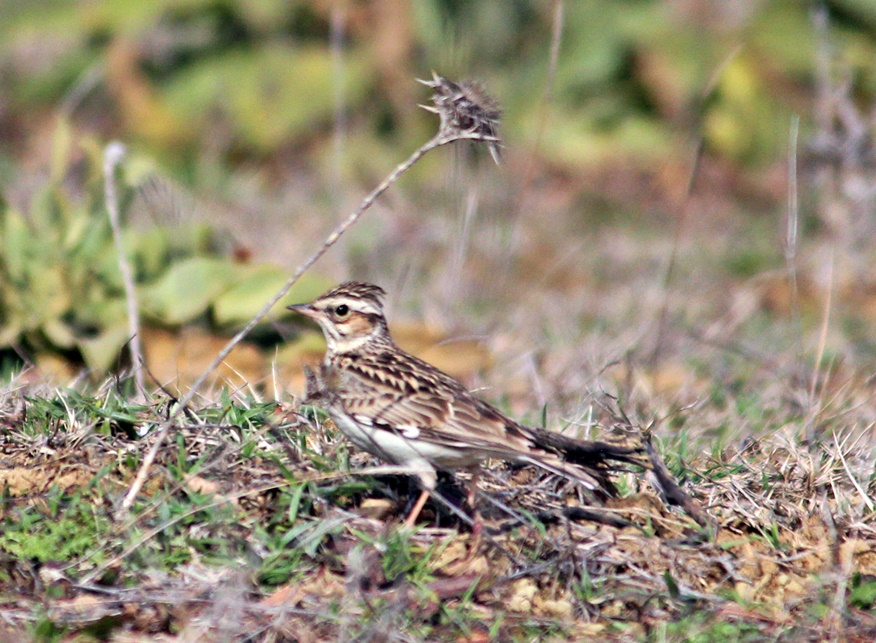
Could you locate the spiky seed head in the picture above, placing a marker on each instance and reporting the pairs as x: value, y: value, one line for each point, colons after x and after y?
x: 466, y: 107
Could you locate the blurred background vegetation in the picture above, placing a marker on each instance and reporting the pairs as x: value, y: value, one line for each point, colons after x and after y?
x: 644, y: 140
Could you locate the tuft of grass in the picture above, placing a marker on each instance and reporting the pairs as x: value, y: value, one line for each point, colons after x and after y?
x: 59, y: 528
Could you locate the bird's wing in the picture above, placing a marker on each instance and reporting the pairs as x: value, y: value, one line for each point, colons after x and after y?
x: 399, y: 393
x: 415, y: 399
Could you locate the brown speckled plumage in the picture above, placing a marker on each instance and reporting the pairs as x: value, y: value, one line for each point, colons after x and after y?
x: 406, y: 411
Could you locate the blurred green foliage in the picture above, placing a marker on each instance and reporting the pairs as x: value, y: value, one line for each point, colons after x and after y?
x: 61, y: 289
x: 255, y: 78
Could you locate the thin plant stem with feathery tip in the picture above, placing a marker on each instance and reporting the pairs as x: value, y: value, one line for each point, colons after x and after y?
x: 112, y: 156
x: 478, y: 125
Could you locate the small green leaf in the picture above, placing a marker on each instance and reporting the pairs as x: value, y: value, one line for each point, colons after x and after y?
x: 149, y: 249
x: 16, y: 239
x: 59, y: 333
x: 245, y: 298
x: 101, y: 351
x: 186, y: 289
x: 102, y: 312
x: 62, y: 143
x: 48, y: 294
x: 671, y: 585
x: 863, y: 594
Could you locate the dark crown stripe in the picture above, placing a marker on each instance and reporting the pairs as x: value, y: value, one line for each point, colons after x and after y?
x: 358, y: 290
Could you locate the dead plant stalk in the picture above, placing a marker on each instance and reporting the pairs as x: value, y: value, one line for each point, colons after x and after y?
x: 112, y: 156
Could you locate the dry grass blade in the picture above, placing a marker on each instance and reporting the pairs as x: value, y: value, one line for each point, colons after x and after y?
x: 842, y: 447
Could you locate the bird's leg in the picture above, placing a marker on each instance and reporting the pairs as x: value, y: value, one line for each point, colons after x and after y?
x: 418, y: 507
x: 477, y: 526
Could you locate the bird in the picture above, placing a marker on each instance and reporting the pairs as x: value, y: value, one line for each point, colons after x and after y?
x: 407, y: 412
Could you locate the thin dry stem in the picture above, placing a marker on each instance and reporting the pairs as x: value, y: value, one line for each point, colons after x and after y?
x: 440, y: 139
x: 112, y: 156
x: 791, y: 232
x: 545, y: 109
x: 663, y: 317
x: 683, y: 211
x: 819, y: 354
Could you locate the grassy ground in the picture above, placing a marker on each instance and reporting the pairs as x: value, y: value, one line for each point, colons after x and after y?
x: 258, y: 522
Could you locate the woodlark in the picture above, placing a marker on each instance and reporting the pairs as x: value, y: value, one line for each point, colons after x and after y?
x: 408, y: 413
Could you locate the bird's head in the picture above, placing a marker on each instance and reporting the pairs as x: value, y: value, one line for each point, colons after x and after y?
x: 350, y: 315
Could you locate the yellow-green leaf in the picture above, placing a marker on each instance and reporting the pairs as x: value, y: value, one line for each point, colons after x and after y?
x: 245, y: 298
x: 101, y: 351
x: 186, y: 289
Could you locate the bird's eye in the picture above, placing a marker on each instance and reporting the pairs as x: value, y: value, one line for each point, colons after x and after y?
x: 342, y: 310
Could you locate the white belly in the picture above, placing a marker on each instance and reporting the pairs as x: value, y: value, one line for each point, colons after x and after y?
x: 395, y: 448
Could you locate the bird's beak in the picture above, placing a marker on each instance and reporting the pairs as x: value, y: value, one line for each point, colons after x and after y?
x: 304, y: 309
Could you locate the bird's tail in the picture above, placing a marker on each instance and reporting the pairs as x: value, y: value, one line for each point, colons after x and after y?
x: 585, y: 476
x: 588, y: 462
x: 588, y: 451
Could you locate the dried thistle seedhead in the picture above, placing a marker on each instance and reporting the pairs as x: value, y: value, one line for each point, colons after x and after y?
x: 466, y: 108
